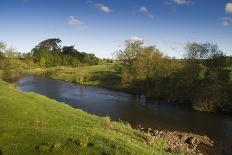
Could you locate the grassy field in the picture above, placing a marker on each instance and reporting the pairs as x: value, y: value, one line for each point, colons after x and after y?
x: 99, y: 75
x: 34, y: 124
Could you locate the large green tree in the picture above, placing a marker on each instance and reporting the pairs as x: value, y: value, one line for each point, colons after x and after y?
x: 49, y: 53
x: 52, y: 45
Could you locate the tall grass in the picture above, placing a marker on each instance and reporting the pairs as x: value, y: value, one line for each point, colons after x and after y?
x: 100, y: 75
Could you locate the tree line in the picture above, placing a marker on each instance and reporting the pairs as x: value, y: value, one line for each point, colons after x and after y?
x: 202, y: 79
x: 48, y: 53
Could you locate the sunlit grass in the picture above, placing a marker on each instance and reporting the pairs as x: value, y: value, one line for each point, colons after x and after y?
x: 100, y: 75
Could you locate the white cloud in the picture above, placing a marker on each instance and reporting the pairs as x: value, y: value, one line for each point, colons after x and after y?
x: 103, y: 8
x: 228, y: 8
x: 180, y: 2
x: 136, y: 38
x: 143, y: 9
x: 151, y: 16
x: 76, y: 22
x: 176, y: 46
x: 227, y: 21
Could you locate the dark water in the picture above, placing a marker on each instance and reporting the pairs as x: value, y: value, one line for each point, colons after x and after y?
x: 131, y: 108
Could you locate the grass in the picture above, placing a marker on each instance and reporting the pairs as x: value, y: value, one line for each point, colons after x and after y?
x: 34, y: 124
x: 100, y: 75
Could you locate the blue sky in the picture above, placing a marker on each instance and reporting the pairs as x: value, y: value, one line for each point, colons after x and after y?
x: 101, y: 26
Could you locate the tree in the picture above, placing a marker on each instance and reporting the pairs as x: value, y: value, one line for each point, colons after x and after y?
x: 70, y: 50
x: 12, y: 66
x: 75, y: 62
x: 132, y: 49
x: 148, y: 63
x: 2, y: 56
x: 204, y: 53
x: 42, y: 62
x: 28, y: 58
x: 206, y: 67
x: 2, y: 46
x: 141, y: 65
x: 52, y: 45
x: 49, y: 50
x: 201, y: 51
x: 198, y: 55
x: 57, y: 61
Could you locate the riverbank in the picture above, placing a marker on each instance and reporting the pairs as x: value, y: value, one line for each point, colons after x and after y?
x: 34, y: 124
x: 191, y: 143
x: 106, y: 76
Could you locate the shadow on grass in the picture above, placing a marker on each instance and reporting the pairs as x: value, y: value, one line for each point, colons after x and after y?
x: 108, y: 79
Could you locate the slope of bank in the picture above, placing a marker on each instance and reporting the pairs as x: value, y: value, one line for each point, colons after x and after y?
x: 34, y: 124
x: 99, y: 75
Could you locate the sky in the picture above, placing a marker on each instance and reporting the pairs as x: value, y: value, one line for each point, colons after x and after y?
x: 102, y: 26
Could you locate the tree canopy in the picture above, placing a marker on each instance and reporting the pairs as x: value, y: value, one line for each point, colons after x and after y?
x: 50, y: 53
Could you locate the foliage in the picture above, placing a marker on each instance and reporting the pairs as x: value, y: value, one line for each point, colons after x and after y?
x: 49, y: 53
x: 11, y: 66
x: 201, y: 80
x: 2, y: 46
x: 12, y: 69
x: 141, y: 65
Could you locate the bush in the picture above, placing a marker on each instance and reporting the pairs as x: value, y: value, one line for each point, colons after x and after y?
x: 13, y: 69
x: 0, y: 74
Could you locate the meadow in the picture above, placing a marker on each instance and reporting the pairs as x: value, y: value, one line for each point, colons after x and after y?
x: 104, y: 75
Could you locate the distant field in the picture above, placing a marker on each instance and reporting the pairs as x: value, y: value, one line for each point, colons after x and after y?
x: 34, y: 124
x: 100, y: 75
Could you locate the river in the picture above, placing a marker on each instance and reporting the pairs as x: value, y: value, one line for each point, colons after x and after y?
x: 132, y: 109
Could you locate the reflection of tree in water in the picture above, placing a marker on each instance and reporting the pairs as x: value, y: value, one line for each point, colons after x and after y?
x: 142, y: 99
x: 81, y: 90
x: 137, y: 98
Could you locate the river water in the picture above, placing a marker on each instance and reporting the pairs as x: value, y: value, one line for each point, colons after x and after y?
x: 133, y: 109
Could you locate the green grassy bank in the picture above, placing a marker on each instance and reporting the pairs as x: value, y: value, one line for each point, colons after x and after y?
x: 34, y: 124
x: 99, y: 75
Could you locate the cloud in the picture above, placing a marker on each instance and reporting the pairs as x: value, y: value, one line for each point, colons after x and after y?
x: 73, y: 21
x: 143, y: 9
x: 151, y: 16
x: 136, y: 38
x: 176, y: 46
x: 76, y: 22
x: 103, y: 8
x: 227, y: 21
x: 179, y: 2
x: 228, y: 8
